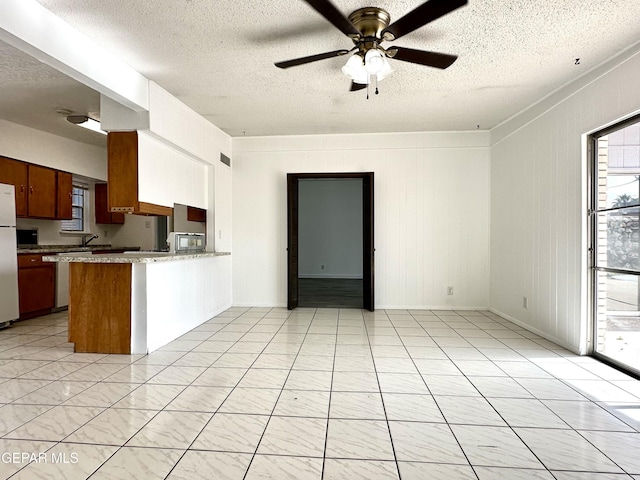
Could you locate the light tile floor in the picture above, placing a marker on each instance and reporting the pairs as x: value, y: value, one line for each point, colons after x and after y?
x: 261, y: 393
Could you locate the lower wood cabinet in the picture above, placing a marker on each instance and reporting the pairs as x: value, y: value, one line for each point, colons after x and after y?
x: 36, y: 285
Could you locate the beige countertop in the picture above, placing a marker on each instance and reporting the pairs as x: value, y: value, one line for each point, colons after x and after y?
x: 128, y: 257
x: 73, y: 248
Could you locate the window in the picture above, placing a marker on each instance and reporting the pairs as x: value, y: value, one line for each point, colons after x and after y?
x: 78, y: 201
x: 615, y: 244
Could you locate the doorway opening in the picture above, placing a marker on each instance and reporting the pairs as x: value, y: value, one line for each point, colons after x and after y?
x: 330, y: 240
x: 615, y: 244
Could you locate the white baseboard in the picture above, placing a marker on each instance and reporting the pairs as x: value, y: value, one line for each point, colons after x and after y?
x: 544, y: 335
x: 377, y: 307
x: 431, y: 307
x: 330, y: 275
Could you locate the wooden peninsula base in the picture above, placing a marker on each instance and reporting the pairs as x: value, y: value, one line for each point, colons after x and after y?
x: 100, y: 307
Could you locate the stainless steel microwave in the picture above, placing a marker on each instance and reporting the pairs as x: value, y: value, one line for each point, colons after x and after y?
x: 180, y: 242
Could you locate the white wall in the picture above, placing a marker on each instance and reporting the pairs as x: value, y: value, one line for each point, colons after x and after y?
x: 538, y: 201
x: 431, y: 213
x: 219, y: 231
x: 167, y: 176
x: 34, y: 146
x: 178, y: 124
x: 330, y: 228
x: 137, y: 231
x: 171, y: 298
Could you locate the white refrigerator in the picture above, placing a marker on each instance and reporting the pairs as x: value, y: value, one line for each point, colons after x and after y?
x: 8, y: 256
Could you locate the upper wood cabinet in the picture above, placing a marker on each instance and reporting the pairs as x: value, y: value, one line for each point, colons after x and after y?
x: 122, y: 155
x: 64, y: 210
x: 103, y: 215
x: 42, y: 192
x: 196, y: 214
x: 15, y: 173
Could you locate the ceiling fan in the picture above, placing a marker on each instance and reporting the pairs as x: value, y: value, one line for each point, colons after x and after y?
x: 370, y: 26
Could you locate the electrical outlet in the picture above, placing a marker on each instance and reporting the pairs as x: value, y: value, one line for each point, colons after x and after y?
x: 105, y: 233
x: 147, y: 224
x: 321, y: 267
x: 219, y: 233
x: 525, y: 302
x: 449, y: 290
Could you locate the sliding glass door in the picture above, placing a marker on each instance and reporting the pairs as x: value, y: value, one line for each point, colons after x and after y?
x: 615, y: 244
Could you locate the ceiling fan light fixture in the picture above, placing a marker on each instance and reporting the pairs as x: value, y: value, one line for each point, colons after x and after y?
x: 374, y: 61
x: 354, y: 68
x: 86, y: 122
x: 358, y: 69
x: 385, y: 70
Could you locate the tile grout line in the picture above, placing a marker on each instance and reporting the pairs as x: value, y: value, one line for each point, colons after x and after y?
x: 162, y: 409
x: 333, y: 366
x: 498, y: 413
x: 255, y: 452
x: 230, y: 391
x: 432, y: 396
x: 384, y: 408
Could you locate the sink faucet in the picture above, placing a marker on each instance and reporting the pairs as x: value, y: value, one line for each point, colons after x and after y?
x: 85, y: 240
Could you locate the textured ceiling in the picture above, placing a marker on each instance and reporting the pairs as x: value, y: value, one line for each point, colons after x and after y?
x: 217, y: 56
x: 32, y: 93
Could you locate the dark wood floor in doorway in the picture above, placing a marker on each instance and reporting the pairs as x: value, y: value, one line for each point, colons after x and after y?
x: 329, y: 293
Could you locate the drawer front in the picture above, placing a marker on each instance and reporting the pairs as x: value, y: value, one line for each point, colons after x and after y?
x: 31, y: 260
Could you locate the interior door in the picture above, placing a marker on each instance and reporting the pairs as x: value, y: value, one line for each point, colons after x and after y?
x: 368, y: 250
x: 368, y: 271
x: 292, y: 241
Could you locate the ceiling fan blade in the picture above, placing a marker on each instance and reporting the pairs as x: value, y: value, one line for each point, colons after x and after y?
x: 329, y: 11
x: 430, y: 59
x: 357, y: 86
x: 311, y: 58
x: 425, y: 13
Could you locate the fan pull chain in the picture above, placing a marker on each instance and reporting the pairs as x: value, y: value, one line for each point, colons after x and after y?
x: 376, y: 77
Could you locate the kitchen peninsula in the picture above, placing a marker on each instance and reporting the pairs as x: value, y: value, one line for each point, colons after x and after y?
x: 134, y: 303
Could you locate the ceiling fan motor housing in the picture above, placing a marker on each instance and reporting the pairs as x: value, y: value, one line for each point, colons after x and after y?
x: 370, y: 21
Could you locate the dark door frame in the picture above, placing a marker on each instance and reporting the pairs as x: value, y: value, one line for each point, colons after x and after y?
x: 368, y: 250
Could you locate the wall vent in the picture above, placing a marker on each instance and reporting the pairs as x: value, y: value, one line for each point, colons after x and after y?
x: 224, y: 159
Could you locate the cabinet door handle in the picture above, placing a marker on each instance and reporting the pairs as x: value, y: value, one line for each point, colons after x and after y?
x: 33, y: 260
x: 22, y: 189
x: 31, y: 189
